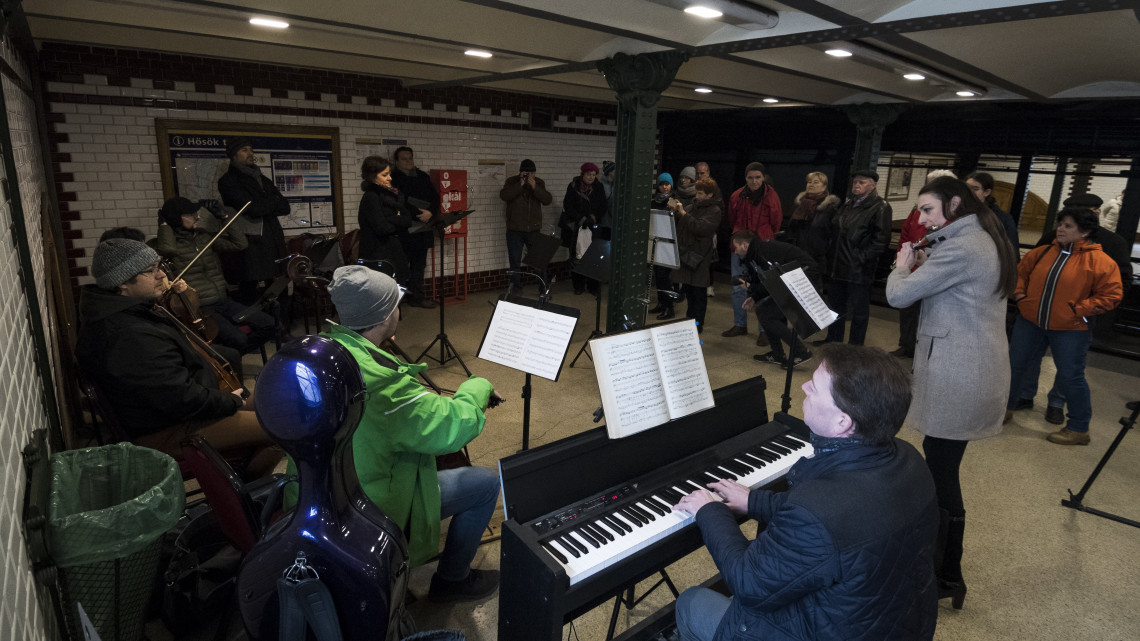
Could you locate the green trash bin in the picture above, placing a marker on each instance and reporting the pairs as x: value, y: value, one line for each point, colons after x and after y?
x: 108, y: 510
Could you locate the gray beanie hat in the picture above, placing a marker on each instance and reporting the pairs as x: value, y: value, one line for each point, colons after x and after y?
x: 120, y: 259
x: 363, y: 297
x: 690, y: 173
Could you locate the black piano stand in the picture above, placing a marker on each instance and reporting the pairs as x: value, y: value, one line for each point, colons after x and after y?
x: 1075, y: 500
x: 627, y: 598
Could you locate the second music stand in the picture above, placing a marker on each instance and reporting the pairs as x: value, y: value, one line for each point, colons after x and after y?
x: 446, y: 349
x: 595, y: 264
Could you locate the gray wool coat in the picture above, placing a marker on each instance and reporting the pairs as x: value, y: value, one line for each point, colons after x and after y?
x: 961, y: 360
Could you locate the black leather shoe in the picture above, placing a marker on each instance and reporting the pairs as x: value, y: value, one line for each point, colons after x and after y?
x: 1055, y: 415
x: 953, y: 590
x: 666, y: 315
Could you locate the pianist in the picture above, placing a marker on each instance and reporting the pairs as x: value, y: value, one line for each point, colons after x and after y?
x: 846, y: 553
x: 405, y: 426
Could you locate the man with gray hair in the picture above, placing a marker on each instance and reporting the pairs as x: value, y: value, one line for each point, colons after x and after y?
x: 404, y: 427
x: 159, y: 386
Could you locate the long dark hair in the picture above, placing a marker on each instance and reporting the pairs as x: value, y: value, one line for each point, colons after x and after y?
x: 987, y: 183
x: 945, y: 189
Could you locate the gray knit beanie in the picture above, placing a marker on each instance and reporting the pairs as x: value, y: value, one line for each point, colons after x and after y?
x: 363, y: 297
x: 690, y: 173
x: 118, y: 260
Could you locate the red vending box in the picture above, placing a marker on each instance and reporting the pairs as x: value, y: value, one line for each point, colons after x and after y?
x: 452, y: 187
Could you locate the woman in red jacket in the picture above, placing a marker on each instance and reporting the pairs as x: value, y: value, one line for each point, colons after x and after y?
x: 1059, y: 288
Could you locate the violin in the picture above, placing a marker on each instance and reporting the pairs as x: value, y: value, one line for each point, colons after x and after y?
x: 228, y: 380
x: 928, y: 240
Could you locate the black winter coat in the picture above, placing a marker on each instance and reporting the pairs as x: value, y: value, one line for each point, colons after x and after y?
x: 419, y: 186
x: 579, y: 211
x: 145, y: 368
x: 266, y: 205
x: 385, y: 217
x: 860, y: 234
x: 846, y: 555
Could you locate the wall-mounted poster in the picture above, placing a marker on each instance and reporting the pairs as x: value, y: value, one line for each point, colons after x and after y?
x: 301, y: 161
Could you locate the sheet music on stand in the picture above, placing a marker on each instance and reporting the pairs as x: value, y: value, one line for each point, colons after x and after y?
x: 796, y: 296
x: 529, y: 336
x: 663, y: 239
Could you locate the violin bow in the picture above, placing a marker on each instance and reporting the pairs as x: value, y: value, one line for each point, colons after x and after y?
x: 216, y: 236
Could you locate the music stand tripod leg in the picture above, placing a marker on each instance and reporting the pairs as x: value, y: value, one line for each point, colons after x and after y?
x: 447, y: 351
x: 1075, y: 500
x: 597, y: 327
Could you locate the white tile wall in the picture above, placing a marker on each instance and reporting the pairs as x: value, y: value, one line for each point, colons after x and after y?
x: 21, y: 407
x: 114, y: 157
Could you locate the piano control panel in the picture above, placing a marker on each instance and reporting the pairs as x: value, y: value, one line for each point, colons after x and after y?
x: 598, y: 504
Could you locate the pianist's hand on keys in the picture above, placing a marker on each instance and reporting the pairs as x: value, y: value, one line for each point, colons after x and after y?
x: 725, y: 491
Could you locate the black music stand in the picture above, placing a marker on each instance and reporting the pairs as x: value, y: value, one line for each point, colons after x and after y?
x: 792, y: 307
x: 518, y: 338
x: 540, y: 251
x: 1075, y: 500
x: 446, y: 349
x: 595, y: 264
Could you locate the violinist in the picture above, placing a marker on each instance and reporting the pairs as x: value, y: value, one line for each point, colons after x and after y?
x: 181, y: 238
x: 160, y: 387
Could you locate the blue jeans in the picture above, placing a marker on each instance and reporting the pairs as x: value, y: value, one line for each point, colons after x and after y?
x: 739, y: 294
x: 469, y: 495
x: 516, y: 241
x: 844, y: 295
x: 1070, y: 348
x: 1033, y: 373
x: 699, y: 611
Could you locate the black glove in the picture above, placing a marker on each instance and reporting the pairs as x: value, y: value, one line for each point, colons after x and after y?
x: 214, y: 207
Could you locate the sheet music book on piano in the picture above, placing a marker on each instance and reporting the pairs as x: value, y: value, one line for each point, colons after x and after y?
x: 529, y: 339
x: 652, y: 376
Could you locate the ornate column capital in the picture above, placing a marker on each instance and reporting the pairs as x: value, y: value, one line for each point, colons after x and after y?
x: 639, y: 79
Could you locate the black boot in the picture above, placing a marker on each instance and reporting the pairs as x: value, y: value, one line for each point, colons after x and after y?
x: 948, y: 559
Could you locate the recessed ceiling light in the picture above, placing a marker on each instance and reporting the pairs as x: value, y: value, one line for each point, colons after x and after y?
x: 703, y: 12
x: 839, y: 53
x: 703, y: 90
x: 267, y: 22
x: 914, y: 76
x: 966, y: 94
x: 771, y: 100
x: 478, y: 53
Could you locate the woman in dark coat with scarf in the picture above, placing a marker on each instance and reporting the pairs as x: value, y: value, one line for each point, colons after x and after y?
x: 385, y: 215
x: 583, y: 207
x: 696, y: 227
x: 815, y: 207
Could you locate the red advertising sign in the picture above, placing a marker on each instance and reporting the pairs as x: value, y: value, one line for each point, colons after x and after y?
x: 452, y: 187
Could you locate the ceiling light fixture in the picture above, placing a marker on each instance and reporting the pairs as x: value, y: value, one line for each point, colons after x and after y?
x: 839, y: 53
x: 703, y: 12
x: 771, y: 100
x: 268, y: 22
x: 966, y: 94
x: 703, y: 90
x: 914, y: 76
x: 478, y: 53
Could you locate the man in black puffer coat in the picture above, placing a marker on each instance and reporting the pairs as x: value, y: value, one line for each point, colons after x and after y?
x: 847, y: 551
x: 244, y: 183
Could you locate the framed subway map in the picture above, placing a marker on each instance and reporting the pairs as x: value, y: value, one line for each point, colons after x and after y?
x: 300, y: 160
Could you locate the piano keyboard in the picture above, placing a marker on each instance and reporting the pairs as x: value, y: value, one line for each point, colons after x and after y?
x: 604, y: 530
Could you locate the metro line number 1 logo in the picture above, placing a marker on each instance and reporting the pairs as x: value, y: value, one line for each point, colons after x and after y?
x: 197, y: 141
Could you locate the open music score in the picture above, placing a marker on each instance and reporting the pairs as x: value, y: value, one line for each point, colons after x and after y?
x: 528, y: 339
x: 651, y: 376
x: 809, y: 299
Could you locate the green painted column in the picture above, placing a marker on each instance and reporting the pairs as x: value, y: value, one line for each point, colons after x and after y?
x: 870, y: 121
x: 638, y: 81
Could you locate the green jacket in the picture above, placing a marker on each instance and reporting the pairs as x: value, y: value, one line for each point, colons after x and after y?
x: 404, y: 427
x: 180, y: 246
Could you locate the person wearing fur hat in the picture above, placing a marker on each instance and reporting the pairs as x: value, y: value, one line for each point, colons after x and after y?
x: 583, y: 207
x: 180, y: 238
x: 860, y: 234
x: 244, y: 183
x: 160, y: 388
x: 404, y: 427
x: 524, y: 196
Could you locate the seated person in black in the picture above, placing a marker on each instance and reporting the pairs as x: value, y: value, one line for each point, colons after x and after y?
x: 159, y: 386
x: 759, y: 256
x: 846, y: 553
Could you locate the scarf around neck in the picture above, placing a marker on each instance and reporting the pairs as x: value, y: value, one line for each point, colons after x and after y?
x: 755, y: 197
x: 805, y: 210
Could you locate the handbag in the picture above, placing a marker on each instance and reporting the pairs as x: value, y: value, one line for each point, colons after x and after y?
x: 691, y: 260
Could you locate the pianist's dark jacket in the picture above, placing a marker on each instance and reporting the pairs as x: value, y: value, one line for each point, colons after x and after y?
x: 846, y: 554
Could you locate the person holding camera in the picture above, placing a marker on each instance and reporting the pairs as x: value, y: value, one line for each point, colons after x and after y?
x: 524, y: 196
x: 180, y: 238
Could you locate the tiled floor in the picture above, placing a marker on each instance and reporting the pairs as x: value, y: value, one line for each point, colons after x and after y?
x: 1035, y: 570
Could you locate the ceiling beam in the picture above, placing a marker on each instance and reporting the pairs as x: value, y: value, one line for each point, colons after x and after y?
x: 591, y: 25
x: 809, y: 76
